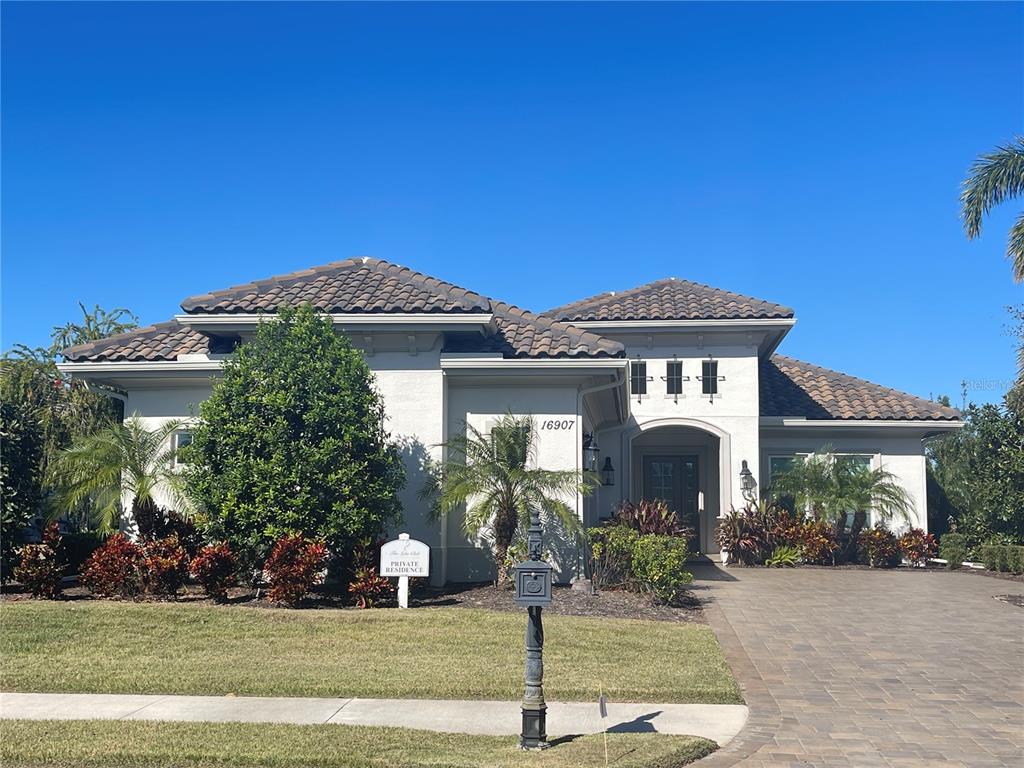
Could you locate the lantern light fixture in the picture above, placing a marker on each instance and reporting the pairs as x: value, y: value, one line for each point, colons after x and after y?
x: 591, y: 452
x: 747, y: 482
x: 607, y: 472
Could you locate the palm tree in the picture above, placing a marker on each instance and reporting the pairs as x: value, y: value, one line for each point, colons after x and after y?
x: 122, y: 458
x: 494, y: 477
x: 833, y: 487
x: 996, y: 177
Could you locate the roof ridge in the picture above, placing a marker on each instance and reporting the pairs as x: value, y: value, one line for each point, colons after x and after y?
x: 651, y: 292
x: 285, y: 277
x: 608, y: 294
x: 457, y: 294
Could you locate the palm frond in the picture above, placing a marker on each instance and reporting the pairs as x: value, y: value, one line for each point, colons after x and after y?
x: 495, y: 478
x: 1015, y: 248
x: 122, y: 459
x: 995, y: 178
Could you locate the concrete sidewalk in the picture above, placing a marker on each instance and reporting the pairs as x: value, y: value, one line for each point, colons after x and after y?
x: 718, y: 722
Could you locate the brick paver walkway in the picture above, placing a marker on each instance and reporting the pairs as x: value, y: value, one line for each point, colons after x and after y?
x: 870, y: 668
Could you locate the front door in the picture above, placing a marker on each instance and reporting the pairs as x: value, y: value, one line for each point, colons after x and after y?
x: 673, y: 479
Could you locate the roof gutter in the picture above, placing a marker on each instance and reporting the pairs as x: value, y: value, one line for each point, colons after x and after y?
x: 796, y: 421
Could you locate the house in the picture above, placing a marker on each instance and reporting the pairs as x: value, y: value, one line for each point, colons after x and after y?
x: 669, y: 390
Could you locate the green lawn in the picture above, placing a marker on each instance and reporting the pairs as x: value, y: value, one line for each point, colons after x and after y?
x: 459, y: 653
x: 117, y: 744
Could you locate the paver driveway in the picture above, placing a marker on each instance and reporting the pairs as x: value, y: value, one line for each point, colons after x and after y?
x: 870, y: 668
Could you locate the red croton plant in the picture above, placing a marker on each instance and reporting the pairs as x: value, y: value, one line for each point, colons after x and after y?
x: 293, y: 567
x: 214, y: 567
x: 41, y: 569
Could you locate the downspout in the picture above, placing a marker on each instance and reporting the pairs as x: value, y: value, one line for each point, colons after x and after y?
x: 620, y: 379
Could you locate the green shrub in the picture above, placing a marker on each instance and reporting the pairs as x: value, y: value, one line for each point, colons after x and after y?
x: 785, y: 555
x: 22, y: 442
x: 293, y: 439
x: 953, y: 549
x: 659, y: 566
x: 1016, y: 559
x: 611, y: 556
x: 1005, y: 558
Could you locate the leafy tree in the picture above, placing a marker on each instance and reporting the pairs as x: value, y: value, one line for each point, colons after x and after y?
x: 994, y: 178
x: 494, y: 476
x: 122, y: 458
x: 832, y: 488
x: 292, y: 440
x: 20, y: 483
x: 46, y: 411
x: 978, y: 474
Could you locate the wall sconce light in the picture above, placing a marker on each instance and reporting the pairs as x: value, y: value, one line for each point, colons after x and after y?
x: 590, y: 452
x: 747, y: 483
x: 607, y: 472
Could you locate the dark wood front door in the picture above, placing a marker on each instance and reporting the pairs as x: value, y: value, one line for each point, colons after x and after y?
x: 673, y: 479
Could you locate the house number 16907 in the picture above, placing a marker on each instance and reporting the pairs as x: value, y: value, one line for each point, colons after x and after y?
x: 558, y: 424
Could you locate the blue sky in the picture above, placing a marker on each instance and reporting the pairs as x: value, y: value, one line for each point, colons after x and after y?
x: 808, y: 154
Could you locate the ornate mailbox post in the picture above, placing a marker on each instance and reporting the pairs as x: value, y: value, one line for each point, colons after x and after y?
x: 533, y: 589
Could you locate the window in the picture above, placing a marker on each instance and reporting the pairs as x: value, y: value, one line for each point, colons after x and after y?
x: 511, y: 445
x: 638, y: 377
x: 777, y: 465
x: 673, y: 377
x: 180, y: 440
x: 709, y: 377
x: 856, y: 461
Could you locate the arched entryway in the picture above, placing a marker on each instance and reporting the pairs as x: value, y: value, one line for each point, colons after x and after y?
x: 681, y: 462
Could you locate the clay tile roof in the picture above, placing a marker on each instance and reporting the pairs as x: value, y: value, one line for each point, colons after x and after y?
x: 670, y: 299
x: 520, y: 333
x: 361, y: 285
x: 793, y: 388
x: 163, y: 341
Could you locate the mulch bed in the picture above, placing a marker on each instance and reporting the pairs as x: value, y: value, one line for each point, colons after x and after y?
x: 566, y: 601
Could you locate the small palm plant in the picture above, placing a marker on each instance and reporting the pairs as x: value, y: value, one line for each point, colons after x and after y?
x: 122, y: 458
x: 495, y: 477
x: 830, y: 488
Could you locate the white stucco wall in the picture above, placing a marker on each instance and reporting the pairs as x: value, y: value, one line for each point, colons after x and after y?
x: 157, y: 406
x: 891, y: 449
x: 731, y: 418
x: 478, y: 403
x: 412, y: 388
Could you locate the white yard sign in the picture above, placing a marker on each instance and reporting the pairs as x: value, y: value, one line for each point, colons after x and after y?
x: 404, y: 557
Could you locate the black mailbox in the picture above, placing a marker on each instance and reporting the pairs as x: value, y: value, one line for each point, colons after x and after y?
x: 533, y: 583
